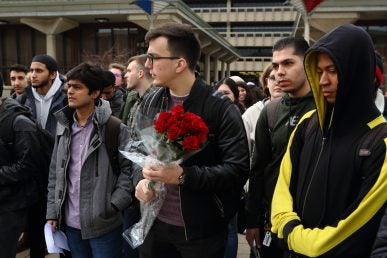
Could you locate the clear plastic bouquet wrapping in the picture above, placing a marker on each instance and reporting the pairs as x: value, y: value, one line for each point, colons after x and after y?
x: 174, y: 136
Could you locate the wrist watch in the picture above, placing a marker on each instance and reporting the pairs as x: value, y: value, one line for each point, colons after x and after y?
x: 181, y: 179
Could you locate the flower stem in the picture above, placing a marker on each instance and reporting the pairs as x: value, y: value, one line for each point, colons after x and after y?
x: 151, y: 185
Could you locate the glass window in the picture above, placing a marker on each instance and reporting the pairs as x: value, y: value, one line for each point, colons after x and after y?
x: 255, y: 51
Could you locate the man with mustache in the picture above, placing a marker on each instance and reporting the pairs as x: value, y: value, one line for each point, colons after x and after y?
x: 331, y: 191
x: 46, y: 94
x: 271, y: 136
x: 44, y: 97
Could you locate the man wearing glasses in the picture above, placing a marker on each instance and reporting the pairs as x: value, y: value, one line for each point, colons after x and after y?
x: 203, y: 192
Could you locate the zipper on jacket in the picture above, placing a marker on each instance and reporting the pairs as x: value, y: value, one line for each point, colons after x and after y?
x: 95, y: 147
x: 314, y: 171
x: 66, y: 163
x: 96, y: 167
x: 181, y: 213
x: 220, y: 205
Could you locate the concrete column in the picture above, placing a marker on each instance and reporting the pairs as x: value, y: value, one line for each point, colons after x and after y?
x: 228, y: 24
x: 51, y: 45
x: 207, y: 69
x: 228, y: 72
x: 215, y: 66
x: 50, y: 27
x: 306, y: 27
x: 216, y: 69
x: 222, y: 70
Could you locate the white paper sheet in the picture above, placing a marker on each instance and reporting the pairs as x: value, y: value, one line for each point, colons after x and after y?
x: 55, y: 241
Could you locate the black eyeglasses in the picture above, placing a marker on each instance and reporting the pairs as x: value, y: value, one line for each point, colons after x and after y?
x: 151, y: 58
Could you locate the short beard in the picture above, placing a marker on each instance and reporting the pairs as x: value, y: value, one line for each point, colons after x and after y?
x: 43, y: 83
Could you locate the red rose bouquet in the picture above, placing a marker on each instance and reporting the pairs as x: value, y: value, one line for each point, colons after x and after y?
x: 175, y: 136
x: 178, y: 132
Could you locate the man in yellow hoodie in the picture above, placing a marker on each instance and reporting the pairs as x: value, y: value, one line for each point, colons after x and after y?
x: 331, y: 191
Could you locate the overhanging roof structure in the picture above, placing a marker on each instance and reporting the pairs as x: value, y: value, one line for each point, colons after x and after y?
x: 70, y: 13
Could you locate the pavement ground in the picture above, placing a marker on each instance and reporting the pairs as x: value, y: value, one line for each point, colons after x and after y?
x: 243, y: 250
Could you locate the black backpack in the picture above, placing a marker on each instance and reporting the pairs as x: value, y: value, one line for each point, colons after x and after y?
x: 271, y: 112
x: 46, y: 141
x: 112, y: 132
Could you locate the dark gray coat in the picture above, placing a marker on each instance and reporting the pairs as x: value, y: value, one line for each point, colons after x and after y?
x: 101, y: 189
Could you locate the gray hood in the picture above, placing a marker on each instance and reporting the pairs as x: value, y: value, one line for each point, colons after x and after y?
x: 102, y: 113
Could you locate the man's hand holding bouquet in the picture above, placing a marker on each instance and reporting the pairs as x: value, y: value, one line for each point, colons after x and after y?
x: 175, y: 136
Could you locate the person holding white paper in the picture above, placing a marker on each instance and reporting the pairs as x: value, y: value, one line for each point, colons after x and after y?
x: 86, y: 191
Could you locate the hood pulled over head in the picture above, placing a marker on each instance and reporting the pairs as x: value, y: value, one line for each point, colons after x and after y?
x: 351, y: 50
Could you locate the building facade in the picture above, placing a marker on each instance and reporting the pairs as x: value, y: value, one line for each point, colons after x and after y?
x: 236, y: 35
x: 253, y: 26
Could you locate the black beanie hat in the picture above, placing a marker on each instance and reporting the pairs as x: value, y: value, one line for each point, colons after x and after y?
x: 48, y: 61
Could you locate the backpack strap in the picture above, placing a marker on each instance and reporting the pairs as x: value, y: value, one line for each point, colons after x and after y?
x: 371, y: 139
x: 367, y: 144
x: 112, y: 132
x: 385, y: 107
x: 271, y: 112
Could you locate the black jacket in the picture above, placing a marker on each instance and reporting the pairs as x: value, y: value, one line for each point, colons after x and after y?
x: 326, y: 203
x: 214, y: 177
x: 380, y: 246
x: 19, y: 159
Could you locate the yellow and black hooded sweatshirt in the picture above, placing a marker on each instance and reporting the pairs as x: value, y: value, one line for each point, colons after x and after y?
x: 326, y: 203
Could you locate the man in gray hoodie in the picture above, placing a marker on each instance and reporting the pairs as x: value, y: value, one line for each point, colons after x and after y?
x: 44, y: 97
x: 85, y: 194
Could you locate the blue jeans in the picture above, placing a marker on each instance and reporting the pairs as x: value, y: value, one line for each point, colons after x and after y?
x: 232, y: 239
x: 107, y: 245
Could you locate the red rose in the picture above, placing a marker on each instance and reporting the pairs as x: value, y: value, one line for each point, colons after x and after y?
x: 184, y: 131
x: 191, y: 143
x: 186, y: 123
x: 173, y: 132
x: 199, y: 128
x: 189, y: 119
x: 203, y: 131
x: 184, y: 127
x: 161, y: 123
x: 172, y: 120
x: 177, y: 110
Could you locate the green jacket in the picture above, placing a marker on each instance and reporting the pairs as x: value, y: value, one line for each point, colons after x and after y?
x: 130, y: 100
x: 270, y: 145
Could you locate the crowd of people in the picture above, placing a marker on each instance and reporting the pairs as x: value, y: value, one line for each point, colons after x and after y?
x: 306, y: 147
